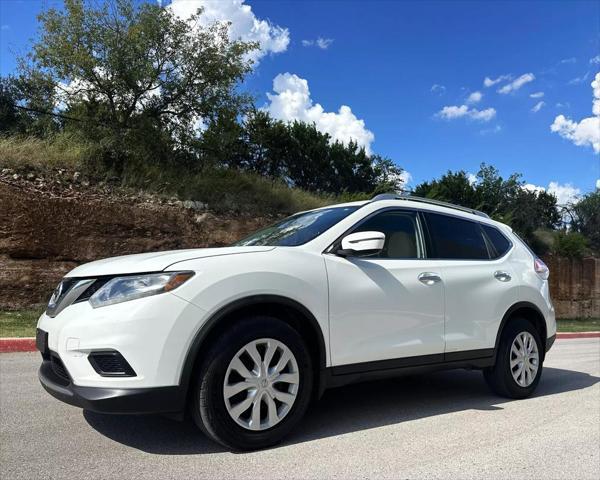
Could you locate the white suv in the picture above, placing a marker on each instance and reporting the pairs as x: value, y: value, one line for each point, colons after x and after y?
x: 244, y: 337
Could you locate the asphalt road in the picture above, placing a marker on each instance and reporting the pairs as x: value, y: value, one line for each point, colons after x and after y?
x: 443, y: 425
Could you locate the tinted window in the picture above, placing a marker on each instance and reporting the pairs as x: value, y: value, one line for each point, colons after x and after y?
x: 400, y: 229
x: 455, y: 238
x: 499, y: 242
x: 297, y: 229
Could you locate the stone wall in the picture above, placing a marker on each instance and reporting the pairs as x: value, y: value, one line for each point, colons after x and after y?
x: 575, y: 286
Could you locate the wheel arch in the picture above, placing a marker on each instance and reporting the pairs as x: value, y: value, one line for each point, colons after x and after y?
x: 286, y: 309
x: 528, y: 311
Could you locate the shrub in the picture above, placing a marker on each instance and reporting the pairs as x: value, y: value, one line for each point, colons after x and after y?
x: 569, y: 244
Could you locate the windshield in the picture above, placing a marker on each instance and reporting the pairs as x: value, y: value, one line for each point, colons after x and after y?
x: 297, y: 229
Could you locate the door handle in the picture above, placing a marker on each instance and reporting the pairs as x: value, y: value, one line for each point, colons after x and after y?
x: 429, y: 278
x: 502, y: 276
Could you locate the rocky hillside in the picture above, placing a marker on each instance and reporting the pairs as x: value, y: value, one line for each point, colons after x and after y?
x: 51, y: 222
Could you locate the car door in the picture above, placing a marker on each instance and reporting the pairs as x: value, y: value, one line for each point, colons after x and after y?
x: 386, y: 306
x: 479, y: 288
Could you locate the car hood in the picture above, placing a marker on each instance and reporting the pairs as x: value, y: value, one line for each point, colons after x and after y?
x: 155, y: 261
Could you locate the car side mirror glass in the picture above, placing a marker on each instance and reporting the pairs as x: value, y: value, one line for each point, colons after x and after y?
x: 362, y: 244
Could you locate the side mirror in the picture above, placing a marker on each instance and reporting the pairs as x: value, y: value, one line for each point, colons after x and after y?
x: 362, y: 244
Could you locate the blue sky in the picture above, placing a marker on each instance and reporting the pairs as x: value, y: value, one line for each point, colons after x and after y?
x: 382, y: 59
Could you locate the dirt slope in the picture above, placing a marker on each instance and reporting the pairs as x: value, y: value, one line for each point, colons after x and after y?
x: 49, y: 227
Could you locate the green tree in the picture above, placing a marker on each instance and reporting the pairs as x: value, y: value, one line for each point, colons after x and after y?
x: 134, y: 71
x: 23, y: 103
x: 453, y: 187
x: 503, y: 199
x: 586, y: 218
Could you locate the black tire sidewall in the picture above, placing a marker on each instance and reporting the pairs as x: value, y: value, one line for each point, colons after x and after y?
x: 209, y: 403
x: 503, y: 370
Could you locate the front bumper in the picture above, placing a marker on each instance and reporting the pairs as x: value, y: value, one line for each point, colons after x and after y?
x: 112, y: 400
x: 153, y: 335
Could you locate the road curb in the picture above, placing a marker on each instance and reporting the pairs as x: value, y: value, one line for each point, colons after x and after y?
x: 26, y: 344
x: 578, y: 335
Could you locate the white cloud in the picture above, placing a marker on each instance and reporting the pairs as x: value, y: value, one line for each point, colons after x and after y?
x: 586, y: 132
x: 472, y: 178
x: 598, y: 184
x: 322, y: 43
x: 564, y: 194
x: 487, y: 131
x: 569, y: 60
x: 517, y: 83
x: 292, y: 101
x: 475, y: 97
x: 530, y: 187
x: 5, y: 27
x: 451, y: 112
x: 244, y: 24
x: 489, y: 82
x: 538, y: 106
x: 537, y: 95
x: 439, y: 89
x: 595, y: 60
x: 563, y: 105
x: 406, y: 177
x: 578, y: 80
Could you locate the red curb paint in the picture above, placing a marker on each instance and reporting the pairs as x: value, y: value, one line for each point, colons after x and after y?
x: 17, y: 345
x: 578, y: 335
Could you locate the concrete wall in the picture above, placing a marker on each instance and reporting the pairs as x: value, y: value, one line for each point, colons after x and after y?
x: 575, y: 286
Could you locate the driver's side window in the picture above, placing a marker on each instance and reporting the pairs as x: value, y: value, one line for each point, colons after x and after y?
x: 401, y: 233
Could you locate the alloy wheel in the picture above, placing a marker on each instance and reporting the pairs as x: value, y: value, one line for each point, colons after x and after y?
x: 261, y: 384
x: 524, y: 359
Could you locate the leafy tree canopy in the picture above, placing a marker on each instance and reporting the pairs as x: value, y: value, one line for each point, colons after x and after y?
x: 586, y: 218
x: 506, y: 200
x: 121, y: 67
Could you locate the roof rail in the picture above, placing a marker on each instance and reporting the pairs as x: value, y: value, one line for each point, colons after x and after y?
x: 431, y: 201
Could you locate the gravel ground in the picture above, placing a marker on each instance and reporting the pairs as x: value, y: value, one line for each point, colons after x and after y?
x: 443, y: 425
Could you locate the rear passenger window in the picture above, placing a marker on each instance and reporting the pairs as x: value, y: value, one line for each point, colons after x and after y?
x: 400, y: 229
x: 499, y: 242
x: 455, y: 238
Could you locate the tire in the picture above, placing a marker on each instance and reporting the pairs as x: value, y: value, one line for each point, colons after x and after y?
x: 209, y: 407
x: 500, y: 377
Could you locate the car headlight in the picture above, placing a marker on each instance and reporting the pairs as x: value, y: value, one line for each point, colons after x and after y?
x: 123, y: 289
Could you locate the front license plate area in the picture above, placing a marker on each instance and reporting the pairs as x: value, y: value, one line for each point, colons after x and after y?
x: 41, y: 341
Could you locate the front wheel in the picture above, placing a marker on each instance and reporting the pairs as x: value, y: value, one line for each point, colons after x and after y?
x: 518, y: 367
x: 254, y: 384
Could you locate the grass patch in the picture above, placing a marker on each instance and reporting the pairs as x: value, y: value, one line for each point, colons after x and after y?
x: 578, y: 324
x: 32, y: 153
x: 19, y: 323
x: 222, y: 189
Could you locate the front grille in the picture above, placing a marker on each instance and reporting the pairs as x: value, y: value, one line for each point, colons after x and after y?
x: 93, y: 288
x: 111, y: 364
x: 59, y: 368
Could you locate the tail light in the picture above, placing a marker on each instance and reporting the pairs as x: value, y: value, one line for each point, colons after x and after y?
x: 541, y: 269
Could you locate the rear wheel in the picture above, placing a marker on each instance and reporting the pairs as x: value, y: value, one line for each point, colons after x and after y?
x: 518, y: 367
x: 254, y: 385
